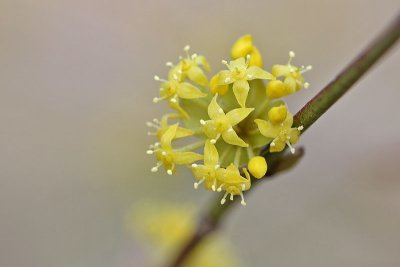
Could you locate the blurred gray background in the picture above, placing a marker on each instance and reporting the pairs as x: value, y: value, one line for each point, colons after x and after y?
x: 76, y: 88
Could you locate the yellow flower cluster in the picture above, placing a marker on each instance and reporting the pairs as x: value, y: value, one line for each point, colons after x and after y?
x: 233, y: 115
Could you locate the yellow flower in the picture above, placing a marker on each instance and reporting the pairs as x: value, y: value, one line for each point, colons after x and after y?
x: 281, y: 132
x: 207, y: 173
x: 167, y: 156
x: 231, y: 107
x: 238, y: 74
x: 288, y: 80
x: 221, y: 124
x: 189, y: 68
x: 233, y: 183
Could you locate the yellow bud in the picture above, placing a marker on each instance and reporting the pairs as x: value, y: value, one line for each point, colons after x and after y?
x: 276, y: 89
x: 242, y: 47
x: 215, y: 88
x: 277, y: 115
x: 255, y: 58
x: 257, y: 167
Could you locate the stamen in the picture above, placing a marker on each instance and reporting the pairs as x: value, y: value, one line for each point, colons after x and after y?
x: 223, y: 200
x: 169, y: 172
x: 224, y: 62
x: 292, y: 150
x: 175, y: 76
x: 194, y: 165
x: 194, y: 56
x: 213, y: 141
x: 216, y: 167
x: 156, y: 78
x: 149, y: 152
x: 249, y: 76
x: 243, y: 187
x: 173, y: 100
x: 306, y: 85
x: 308, y: 68
x: 219, y: 189
x: 202, y: 122
x: 196, y: 185
x: 214, y: 186
x: 272, y: 144
x: 231, y: 198
x: 291, y: 56
x: 300, y: 128
x: 164, y: 153
x: 169, y: 64
x: 227, y: 80
x: 242, y: 197
x: 155, y: 169
x: 151, y: 133
x: 186, y: 48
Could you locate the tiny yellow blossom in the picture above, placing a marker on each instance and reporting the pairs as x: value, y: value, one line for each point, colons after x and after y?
x: 277, y: 115
x: 168, y: 157
x: 282, y: 133
x: 221, y: 124
x: 207, y: 173
x: 189, y: 67
x: 233, y: 183
x: 258, y: 166
x: 238, y: 74
x: 288, y: 80
x: 162, y: 126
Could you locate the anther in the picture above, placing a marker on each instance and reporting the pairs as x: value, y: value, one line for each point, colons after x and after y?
x: 196, y: 185
x: 155, y: 100
x: 227, y: 80
x: 248, y: 57
x: 272, y: 144
x: 216, y: 167
x: 231, y: 197
x: 306, y: 85
x: 220, y: 110
x: 213, y: 141
x: 194, y: 56
x: 243, y: 187
x: 300, y: 128
x: 224, y: 62
x: 169, y: 64
x: 230, y: 129
x: 154, y: 169
x: 292, y: 54
x: 156, y: 78
x: 173, y: 100
x: 164, y: 153
x: 149, y: 152
x: 169, y: 172
x: 202, y: 122
x: 194, y: 165
x: 219, y: 189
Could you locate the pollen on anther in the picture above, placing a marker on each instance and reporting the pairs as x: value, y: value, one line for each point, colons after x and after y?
x: 186, y: 48
x: 202, y: 122
x: 156, y: 78
x: 149, y: 152
x: 292, y: 54
x: 306, y: 85
x: 169, y: 64
x: 169, y: 172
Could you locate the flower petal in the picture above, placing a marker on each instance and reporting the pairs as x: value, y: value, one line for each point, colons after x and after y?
x: 280, y: 70
x: 239, y: 63
x: 278, y: 147
x: 188, y: 91
x: 182, y: 132
x: 232, y: 138
x: 255, y: 72
x: 211, y: 156
x: 168, y: 136
x: 224, y: 77
x: 237, y: 115
x: 266, y: 128
x: 185, y: 157
x: 201, y: 60
x: 197, y: 75
x: 214, y: 110
x: 241, y: 90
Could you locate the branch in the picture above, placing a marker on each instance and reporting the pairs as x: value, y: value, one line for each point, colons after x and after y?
x: 314, y: 109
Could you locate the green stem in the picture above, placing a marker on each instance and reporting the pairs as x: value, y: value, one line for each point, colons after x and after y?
x: 314, y: 109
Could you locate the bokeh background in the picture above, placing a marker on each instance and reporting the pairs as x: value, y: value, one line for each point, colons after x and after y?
x: 75, y: 91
